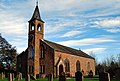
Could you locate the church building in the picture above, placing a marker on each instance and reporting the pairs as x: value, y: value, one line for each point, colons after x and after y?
x: 43, y: 57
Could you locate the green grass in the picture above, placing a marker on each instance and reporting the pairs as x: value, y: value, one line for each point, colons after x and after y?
x: 69, y: 79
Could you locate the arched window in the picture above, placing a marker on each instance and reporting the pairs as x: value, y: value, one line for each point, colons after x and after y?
x: 67, y: 65
x: 33, y: 27
x: 78, y: 67
x: 39, y: 27
x: 88, y: 67
x: 31, y: 52
x: 42, y: 52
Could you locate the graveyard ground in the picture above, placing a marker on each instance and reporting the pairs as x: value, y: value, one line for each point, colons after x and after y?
x: 68, y: 79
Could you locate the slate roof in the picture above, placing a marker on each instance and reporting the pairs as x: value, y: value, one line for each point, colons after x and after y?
x: 36, y: 14
x: 65, y: 49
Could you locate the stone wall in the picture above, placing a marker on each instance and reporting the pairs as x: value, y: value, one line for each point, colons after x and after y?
x: 73, y: 59
x: 22, y: 63
x: 48, y: 61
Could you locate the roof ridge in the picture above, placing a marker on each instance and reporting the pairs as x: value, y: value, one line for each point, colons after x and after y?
x: 67, y: 49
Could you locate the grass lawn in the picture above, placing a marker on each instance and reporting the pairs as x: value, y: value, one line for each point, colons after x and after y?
x: 69, y: 79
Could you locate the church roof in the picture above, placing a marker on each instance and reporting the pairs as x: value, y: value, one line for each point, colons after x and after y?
x: 66, y: 49
x: 36, y: 14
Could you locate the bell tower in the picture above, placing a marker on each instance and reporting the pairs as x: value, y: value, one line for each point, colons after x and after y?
x: 35, y: 34
x: 36, y: 26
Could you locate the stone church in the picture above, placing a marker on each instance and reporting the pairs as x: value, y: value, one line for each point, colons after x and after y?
x: 43, y: 57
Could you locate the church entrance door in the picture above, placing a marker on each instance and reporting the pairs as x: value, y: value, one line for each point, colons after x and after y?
x: 60, y: 69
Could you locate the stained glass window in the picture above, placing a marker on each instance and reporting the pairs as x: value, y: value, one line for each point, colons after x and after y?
x: 31, y: 52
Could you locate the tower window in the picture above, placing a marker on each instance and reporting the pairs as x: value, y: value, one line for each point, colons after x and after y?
x: 32, y: 28
x: 39, y: 27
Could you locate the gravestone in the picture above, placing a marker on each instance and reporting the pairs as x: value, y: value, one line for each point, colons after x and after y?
x: 1, y: 75
x: 50, y: 77
x: 10, y: 78
x: 19, y: 76
x: 78, y: 76
x: 62, y: 77
x: 117, y: 73
x: 27, y: 77
x: 104, y: 76
x: 90, y: 73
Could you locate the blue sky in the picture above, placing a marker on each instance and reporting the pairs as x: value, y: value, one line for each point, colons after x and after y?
x: 90, y: 25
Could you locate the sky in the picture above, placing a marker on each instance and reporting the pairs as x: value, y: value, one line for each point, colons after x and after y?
x: 92, y: 26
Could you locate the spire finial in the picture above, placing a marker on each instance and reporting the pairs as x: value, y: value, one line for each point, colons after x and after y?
x: 37, y: 3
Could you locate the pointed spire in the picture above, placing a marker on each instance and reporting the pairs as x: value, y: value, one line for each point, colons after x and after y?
x: 36, y: 14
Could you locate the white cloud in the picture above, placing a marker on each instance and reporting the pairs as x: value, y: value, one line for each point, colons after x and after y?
x: 20, y: 43
x: 13, y: 27
x: 52, y: 29
x: 15, y: 24
x: 94, y: 50
x: 12, y: 24
x: 113, y: 30
x: 109, y: 23
x: 61, y: 24
x: 58, y: 4
x: 87, y: 41
x: 72, y: 33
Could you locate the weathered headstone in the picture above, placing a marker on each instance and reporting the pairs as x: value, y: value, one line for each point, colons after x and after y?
x: 19, y: 76
x: 1, y: 75
x: 62, y: 77
x: 27, y: 77
x: 10, y: 78
x: 117, y: 73
x: 104, y: 76
x: 78, y: 76
x: 50, y: 77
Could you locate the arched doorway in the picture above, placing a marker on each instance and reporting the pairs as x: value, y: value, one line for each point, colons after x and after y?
x: 60, y: 69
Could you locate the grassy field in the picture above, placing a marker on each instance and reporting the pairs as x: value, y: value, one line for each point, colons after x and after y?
x: 68, y: 79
